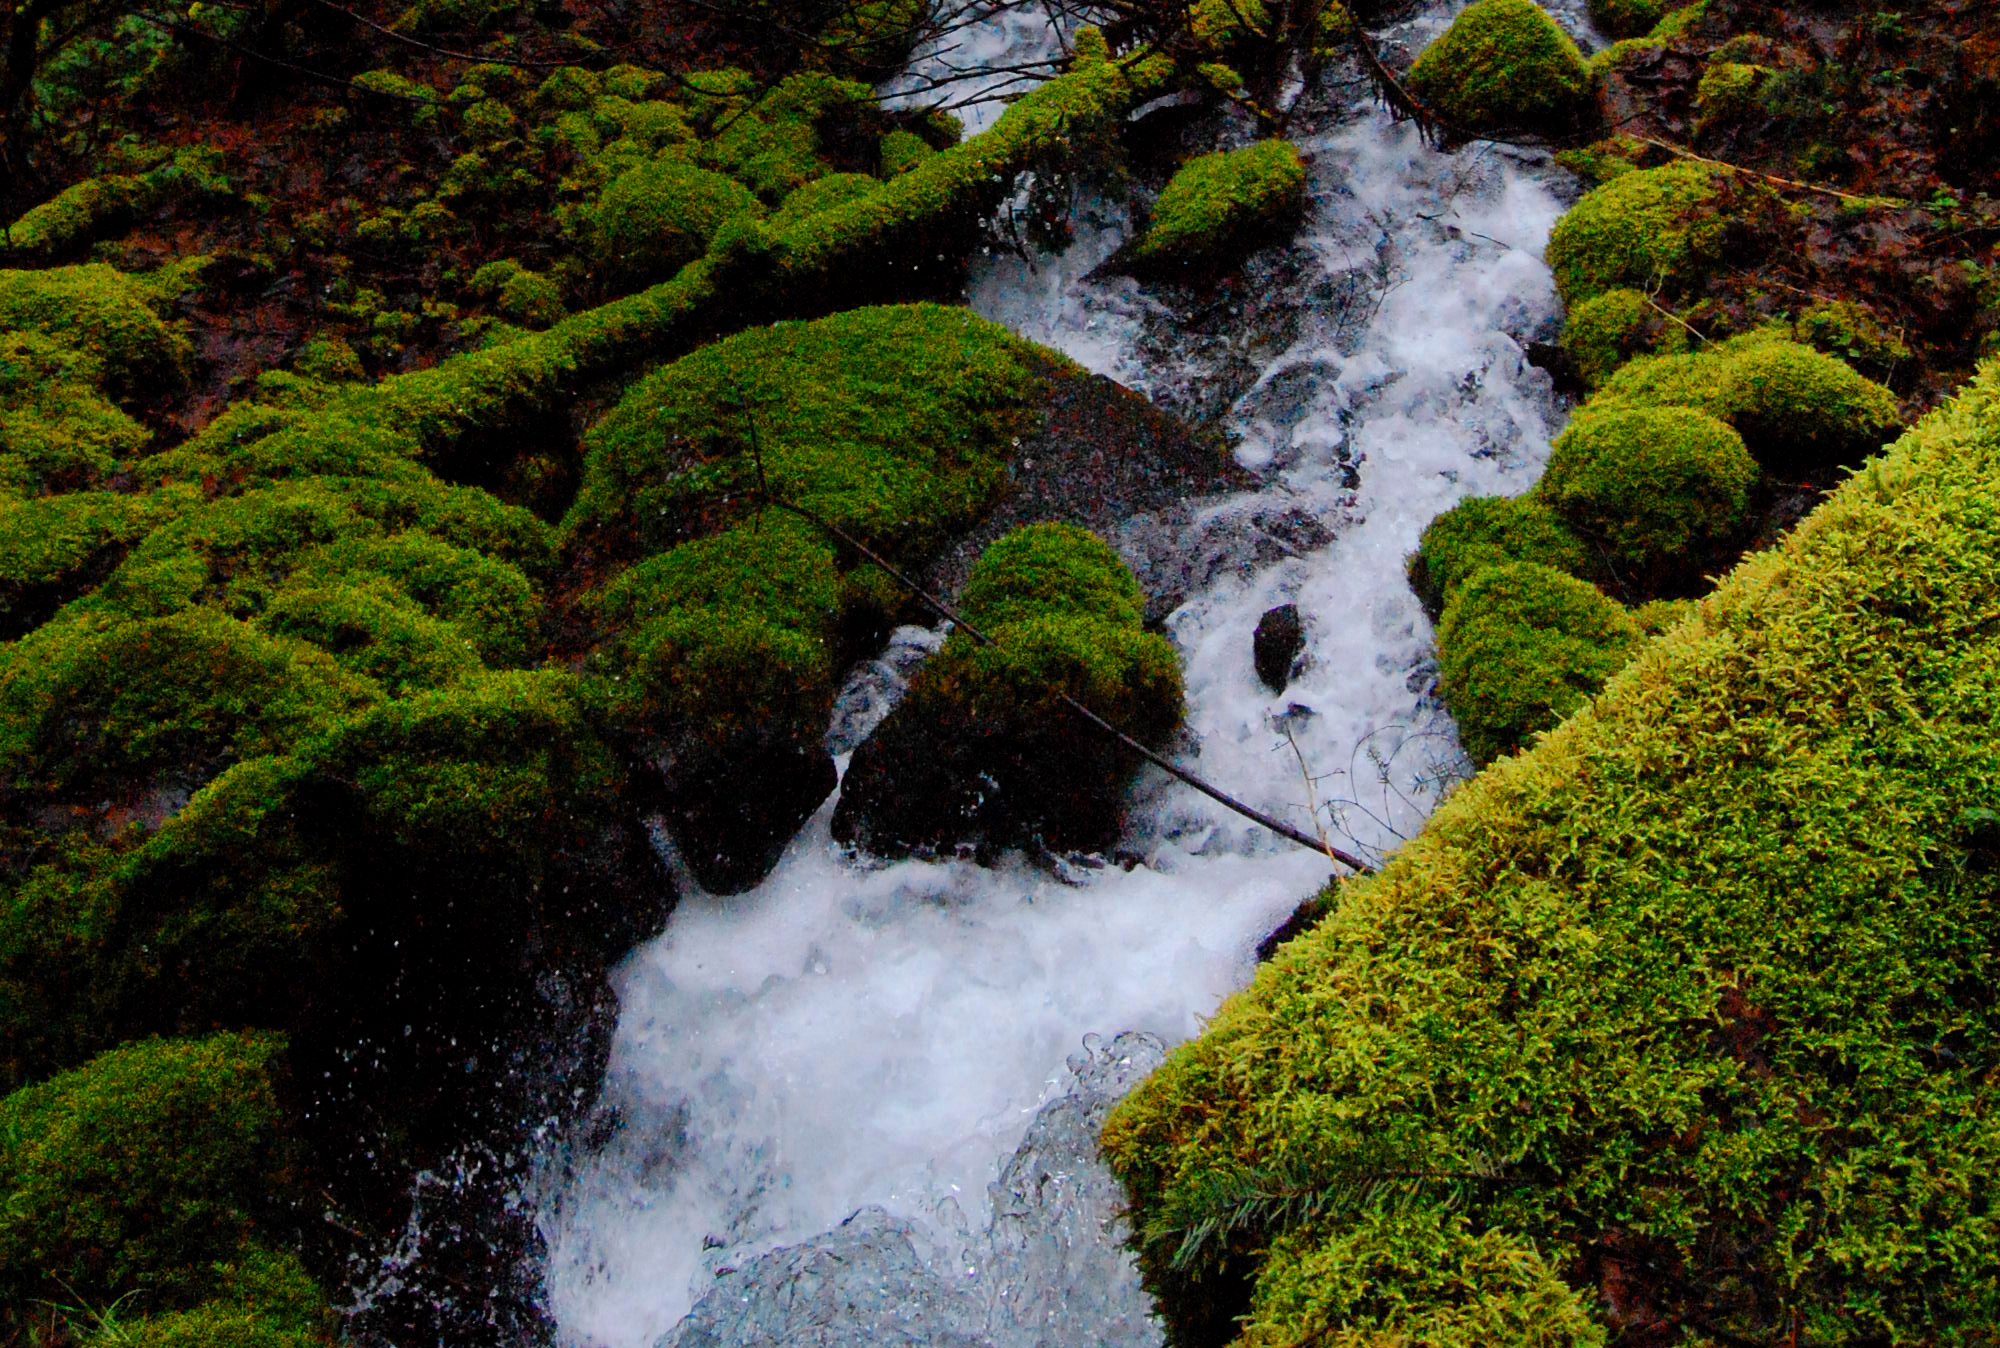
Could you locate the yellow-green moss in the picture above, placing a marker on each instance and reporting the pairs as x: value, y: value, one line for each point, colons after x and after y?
x: 772, y: 142
x: 1504, y: 65
x: 1223, y: 204
x: 263, y: 1299
x: 1700, y: 980
x: 1522, y: 646
x: 1483, y: 531
x: 1653, y: 486
x: 656, y: 218
x: 526, y: 297
x: 103, y: 313
x: 58, y: 433
x: 1608, y: 329
x: 98, y: 206
x: 1651, y: 228
x: 903, y: 151
x: 1727, y: 90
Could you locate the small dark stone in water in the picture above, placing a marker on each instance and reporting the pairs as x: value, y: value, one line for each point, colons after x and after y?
x: 1303, y: 919
x: 1276, y: 647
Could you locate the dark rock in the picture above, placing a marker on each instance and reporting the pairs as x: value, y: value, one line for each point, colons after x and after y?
x: 1277, y: 645
x: 731, y: 813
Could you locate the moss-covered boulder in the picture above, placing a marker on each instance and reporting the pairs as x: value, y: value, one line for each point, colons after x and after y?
x: 981, y: 752
x: 1797, y: 409
x: 654, y: 219
x: 1628, y: 18
x: 1504, y: 65
x: 58, y: 433
x: 1650, y: 228
x: 103, y: 313
x: 55, y: 548
x: 143, y: 1170
x: 1483, y: 531
x: 1582, y: 1010
x: 1660, y: 489
x: 1608, y: 329
x: 1522, y: 646
x: 774, y: 140
x: 1220, y: 206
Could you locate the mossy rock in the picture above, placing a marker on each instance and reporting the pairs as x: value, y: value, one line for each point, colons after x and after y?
x: 1483, y: 531
x: 104, y: 313
x: 824, y: 194
x: 902, y: 151
x: 263, y: 1299
x: 774, y: 142
x: 1504, y: 65
x: 1728, y: 89
x: 982, y: 751
x: 99, y: 207
x: 58, y: 433
x: 374, y: 632
x: 1851, y: 332
x: 1659, y: 488
x: 1540, y: 1006
x: 143, y: 1170
x: 658, y: 217
x: 54, y: 549
x: 1421, y: 1277
x: 1628, y: 18
x: 1797, y: 409
x: 1219, y: 206
x: 1652, y: 229
x: 1608, y: 329
x: 1522, y: 646
x: 524, y: 296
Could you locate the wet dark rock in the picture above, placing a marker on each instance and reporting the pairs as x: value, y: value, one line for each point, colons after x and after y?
x: 732, y: 812
x: 1276, y: 646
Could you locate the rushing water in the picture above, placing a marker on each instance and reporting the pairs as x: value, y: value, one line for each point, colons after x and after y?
x: 866, y: 1042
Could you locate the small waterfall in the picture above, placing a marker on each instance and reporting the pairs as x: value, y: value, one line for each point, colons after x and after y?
x: 856, y: 1104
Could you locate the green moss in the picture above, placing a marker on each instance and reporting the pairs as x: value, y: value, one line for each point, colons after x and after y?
x: 1223, y: 204
x: 330, y: 359
x: 1673, y: 25
x: 893, y: 422
x: 1727, y: 90
x: 1602, y: 160
x: 773, y: 143
x: 1483, y: 531
x: 1428, y: 1278
x: 1504, y: 65
x: 99, y: 206
x: 824, y: 194
x: 1794, y: 407
x: 1608, y: 329
x: 568, y: 89
x: 1655, y: 486
x: 1522, y: 646
x: 406, y: 99
x: 141, y: 1170
x: 1044, y: 569
x: 85, y: 710
x: 1758, y: 872
x: 375, y: 632
x: 1660, y: 615
x: 101, y: 312
x: 526, y: 297
x: 903, y: 151
x: 489, y: 602
x: 264, y: 1299
x: 1628, y: 18
x: 1653, y: 229
x: 656, y: 218
x: 1849, y: 332
x: 57, y: 432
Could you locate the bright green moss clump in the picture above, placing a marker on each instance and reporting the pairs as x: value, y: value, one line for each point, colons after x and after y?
x: 1660, y: 486
x: 103, y: 313
x: 98, y: 206
x: 1649, y: 228
x: 1727, y: 89
x: 1503, y: 65
x: 1483, y: 531
x: 1521, y: 647
x: 141, y: 1171
x: 57, y: 432
x: 981, y: 750
x: 1223, y: 204
x: 658, y: 217
x: 1794, y: 407
x: 772, y: 142
x: 1702, y: 980
x: 1628, y: 18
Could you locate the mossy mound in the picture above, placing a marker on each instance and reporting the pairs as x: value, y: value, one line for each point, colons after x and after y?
x: 1728, y: 89
x: 1219, y: 206
x: 1522, y: 646
x: 1504, y: 65
x: 1483, y: 531
x: 982, y: 752
x: 101, y: 312
x: 1628, y: 18
x: 264, y: 1299
x: 656, y: 218
x: 58, y: 433
x: 97, y: 206
x: 1608, y: 329
x: 1650, y: 228
x: 143, y: 1170
x: 1586, y: 1008
x: 1658, y: 488
x: 773, y: 140
x: 55, y: 548
x: 824, y: 194
x: 1797, y: 409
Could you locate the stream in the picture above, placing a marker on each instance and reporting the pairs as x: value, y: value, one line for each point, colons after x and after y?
x: 859, y: 1103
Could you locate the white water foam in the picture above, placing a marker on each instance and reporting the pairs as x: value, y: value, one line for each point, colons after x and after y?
x: 848, y: 1036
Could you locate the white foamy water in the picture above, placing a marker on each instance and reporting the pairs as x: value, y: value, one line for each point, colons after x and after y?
x: 847, y: 1037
